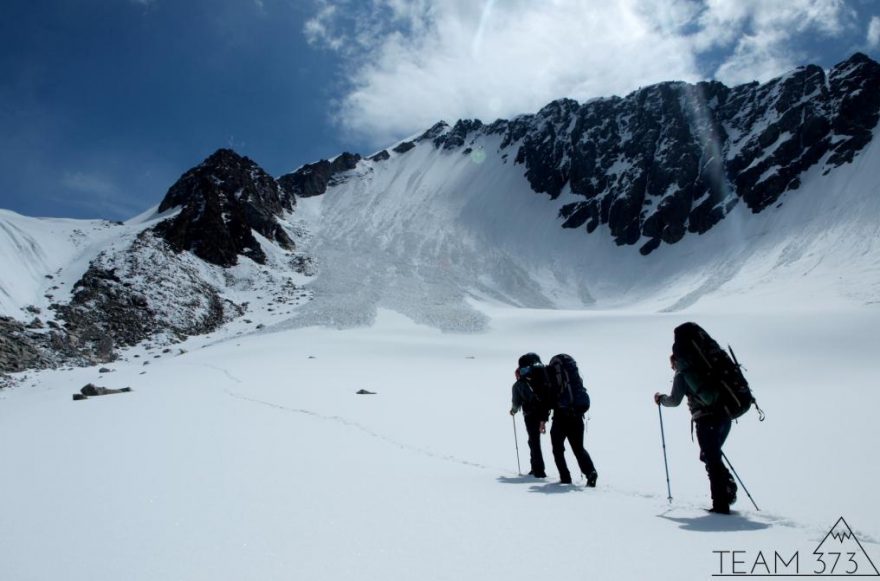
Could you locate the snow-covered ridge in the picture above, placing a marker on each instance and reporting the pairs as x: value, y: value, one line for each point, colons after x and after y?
x: 675, y: 158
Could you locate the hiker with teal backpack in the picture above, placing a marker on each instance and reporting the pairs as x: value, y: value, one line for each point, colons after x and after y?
x: 717, y: 393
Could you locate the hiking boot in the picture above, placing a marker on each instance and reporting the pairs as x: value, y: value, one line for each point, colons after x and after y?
x: 536, y: 474
x: 591, y: 479
x: 565, y: 479
x: 731, y: 493
x: 719, y: 509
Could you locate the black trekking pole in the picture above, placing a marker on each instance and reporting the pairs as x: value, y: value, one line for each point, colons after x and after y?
x: 732, y: 469
x: 516, y: 441
x: 665, y: 463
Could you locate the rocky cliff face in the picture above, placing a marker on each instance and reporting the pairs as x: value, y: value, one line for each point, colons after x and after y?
x: 313, y: 179
x: 222, y: 202
x: 675, y: 158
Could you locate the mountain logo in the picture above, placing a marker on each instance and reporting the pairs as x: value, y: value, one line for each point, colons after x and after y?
x: 840, y: 553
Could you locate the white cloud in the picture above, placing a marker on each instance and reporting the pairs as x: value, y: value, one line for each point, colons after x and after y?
x: 410, y: 63
x: 874, y: 32
x: 760, y: 33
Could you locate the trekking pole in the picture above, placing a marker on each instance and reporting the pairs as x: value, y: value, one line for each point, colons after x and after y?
x: 665, y: 463
x: 516, y: 441
x: 732, y: 469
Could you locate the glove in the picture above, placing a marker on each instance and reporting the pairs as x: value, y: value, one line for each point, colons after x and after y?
x: 657, y: 398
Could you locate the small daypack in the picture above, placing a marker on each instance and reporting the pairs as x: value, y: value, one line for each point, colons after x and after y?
x: 718, y: 371
x: 568, y: 385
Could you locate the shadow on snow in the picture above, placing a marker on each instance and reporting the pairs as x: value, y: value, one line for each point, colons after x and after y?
x: 717, y: 523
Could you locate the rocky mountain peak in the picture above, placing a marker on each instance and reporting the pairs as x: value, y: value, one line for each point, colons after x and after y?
x: 222, y: 201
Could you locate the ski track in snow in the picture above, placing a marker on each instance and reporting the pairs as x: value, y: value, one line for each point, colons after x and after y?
x: 357, y: 426
x: 342, y: 420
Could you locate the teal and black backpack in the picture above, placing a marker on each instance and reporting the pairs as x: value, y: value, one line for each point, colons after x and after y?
x: 716, y: 370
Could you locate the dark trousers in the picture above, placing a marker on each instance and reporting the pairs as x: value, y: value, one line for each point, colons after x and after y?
x: 533, y: 429
x: 570, y: 427
x: 712, y: 431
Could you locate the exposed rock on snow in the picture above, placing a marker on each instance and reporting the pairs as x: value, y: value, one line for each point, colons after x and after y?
x: 148, y: 289
x: 222, y: 201
x: 92, y: 390
x: 314, y: 178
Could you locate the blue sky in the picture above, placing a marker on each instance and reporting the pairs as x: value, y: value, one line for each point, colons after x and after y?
x: 104, y: 103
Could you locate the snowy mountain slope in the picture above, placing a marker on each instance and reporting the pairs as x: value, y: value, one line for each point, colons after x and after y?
x: 254, y: 458
x: 41, y: 256
x: 426, y: 231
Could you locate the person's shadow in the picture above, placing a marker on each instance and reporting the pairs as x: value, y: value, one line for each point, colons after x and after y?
x: 716, y: 523
x: 521, y: 479
x: 538, y: 485
x: 554, y: 488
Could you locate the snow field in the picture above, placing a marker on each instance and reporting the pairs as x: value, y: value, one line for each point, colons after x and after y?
x: 253, y: 458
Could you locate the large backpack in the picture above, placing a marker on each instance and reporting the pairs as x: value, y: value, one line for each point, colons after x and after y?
x: 539, y: 384
x: 718, y: 372
x: 567, y: 384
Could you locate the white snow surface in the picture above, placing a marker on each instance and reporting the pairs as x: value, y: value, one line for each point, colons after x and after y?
x: 253, y: 458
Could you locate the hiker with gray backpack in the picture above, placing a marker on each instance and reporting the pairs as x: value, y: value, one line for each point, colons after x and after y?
x: 570, y: 402
x: 717, y: 393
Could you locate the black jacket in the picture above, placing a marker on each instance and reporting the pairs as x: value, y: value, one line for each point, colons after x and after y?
x: 532, y: 405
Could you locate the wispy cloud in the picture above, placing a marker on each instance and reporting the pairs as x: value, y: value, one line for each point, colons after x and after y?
x: 874, y: 32
x: 409, y: 63
x: 97, y: 193
x: 90, y: 183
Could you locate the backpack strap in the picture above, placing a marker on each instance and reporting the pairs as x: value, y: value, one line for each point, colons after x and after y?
x: 761, y: 415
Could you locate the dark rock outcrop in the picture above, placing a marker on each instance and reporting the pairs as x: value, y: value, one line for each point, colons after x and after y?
x: 223, y: 201
x: 313, y: 179
x: 19, y: 348
x: 147, y: 290
x: 675, y: 158
x: 403, y: 147
x: 22, y: 348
